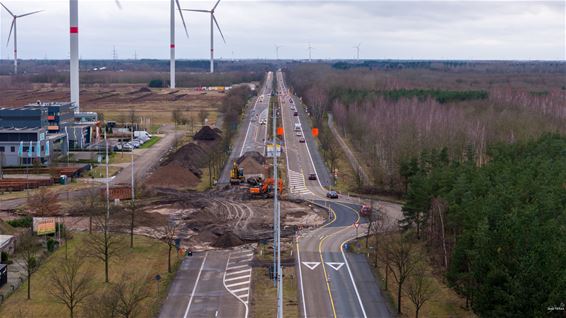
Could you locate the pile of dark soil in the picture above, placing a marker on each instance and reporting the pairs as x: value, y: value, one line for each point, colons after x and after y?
x: 253, y: 155
x: 228, y: 239
x: 207, y: 133
x: 251, y: 167
x: 172, y: 176
x: 189, y: 155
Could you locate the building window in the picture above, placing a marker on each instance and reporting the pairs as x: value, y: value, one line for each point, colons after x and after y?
x: 12, y: 149
x: 2, y: 149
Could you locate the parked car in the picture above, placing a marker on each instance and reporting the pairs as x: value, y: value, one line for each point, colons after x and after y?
x: 312, y: 176
x: 302, y: 140
x: 127, y: 147
x: 332, y: 195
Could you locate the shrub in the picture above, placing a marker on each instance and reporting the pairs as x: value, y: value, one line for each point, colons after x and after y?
x: 22, y: 222
x: 155, y: 83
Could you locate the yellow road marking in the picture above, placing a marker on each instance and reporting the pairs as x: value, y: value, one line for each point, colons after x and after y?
x: 326, y: 276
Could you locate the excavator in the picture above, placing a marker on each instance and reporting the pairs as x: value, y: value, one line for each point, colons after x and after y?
x: 265, y: 188
x: 236, y: 174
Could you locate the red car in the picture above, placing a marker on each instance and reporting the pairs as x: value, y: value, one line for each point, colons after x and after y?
x: 365, y: 211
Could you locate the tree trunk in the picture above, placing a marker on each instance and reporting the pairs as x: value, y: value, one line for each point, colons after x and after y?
x: 71, y: 312
x: 169, y: 260
x: 90, y: 224
x: 399, y: 298
x: 106, y: 256
x: 386, y: 275
x: 417, y: 312
x: 29, y: 282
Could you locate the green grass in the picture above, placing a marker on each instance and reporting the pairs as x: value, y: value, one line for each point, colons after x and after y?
x: 148, y: 258
x: 150, y: 142
x: 264, y: 300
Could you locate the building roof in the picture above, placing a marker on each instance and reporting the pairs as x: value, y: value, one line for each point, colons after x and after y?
x: 20, y: 129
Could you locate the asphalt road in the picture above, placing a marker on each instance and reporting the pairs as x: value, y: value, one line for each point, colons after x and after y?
x: 211, y: 284
x: 252, y: 134
x: 333, y: 282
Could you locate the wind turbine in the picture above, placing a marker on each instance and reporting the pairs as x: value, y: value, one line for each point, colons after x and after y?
x: 357, y: 51
x: 310, y: 52
x: 74, y: 43
x: 172, y: 44
x: 277, y: 47
x: 212, y: 22
x: 14, y: 28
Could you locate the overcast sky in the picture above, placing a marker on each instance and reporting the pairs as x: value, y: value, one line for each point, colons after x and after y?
x: 505, y: 30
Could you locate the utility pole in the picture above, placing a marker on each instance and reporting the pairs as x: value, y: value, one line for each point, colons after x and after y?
x: 107, y: 181
x: 277, y: 220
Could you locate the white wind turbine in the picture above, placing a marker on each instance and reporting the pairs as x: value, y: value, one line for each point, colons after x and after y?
x: 172, y: 45
x: 74, y: 39
x: 212, y: 22
x: 310, y: 52
x: 277, y: 47
x: 357, y: 50
x: 14, y: 28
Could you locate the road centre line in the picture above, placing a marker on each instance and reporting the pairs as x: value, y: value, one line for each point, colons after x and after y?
x: 195, y: 287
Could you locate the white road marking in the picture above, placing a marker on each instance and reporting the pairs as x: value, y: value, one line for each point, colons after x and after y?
x: 246, y: 255
x: 237, y: 266
x: 237, y: 284
x: 239, y: 272
x: 195, y: 287
x: 311, y: 265
x: 353, y: 282
x: 241, y: 289
x: 335, y: 265
x: 236, y: 278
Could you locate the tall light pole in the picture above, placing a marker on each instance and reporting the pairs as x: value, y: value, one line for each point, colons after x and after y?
x: 277, y: 220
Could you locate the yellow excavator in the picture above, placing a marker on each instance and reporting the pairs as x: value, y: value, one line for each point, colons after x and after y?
x: 236, y: 174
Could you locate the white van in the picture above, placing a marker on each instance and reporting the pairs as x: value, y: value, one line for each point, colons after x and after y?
x: 297, y: 126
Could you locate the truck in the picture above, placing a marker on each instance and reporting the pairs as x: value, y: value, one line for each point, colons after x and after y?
x: 142, y: 134
x: 297, y: 126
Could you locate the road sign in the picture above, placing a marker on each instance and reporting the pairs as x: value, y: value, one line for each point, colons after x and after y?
x: 346, y: 246
x: 311, y: 265
x: 335, y: 265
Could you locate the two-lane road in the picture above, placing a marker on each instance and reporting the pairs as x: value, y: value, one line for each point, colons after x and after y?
x: 333, y: 282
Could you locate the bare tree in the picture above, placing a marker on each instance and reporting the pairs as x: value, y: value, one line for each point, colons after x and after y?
x: 43, y: 202
x: 104, y: 244
x: 70, y: 284
x: 403, y: 261
x: 130, y: 293
x: 177, y: 117
x: 132, y: 210
x: 419, y: 288
x: 91, y: 204
x: 169, y: 235
x: 28, y: 248
x: 132, y: 118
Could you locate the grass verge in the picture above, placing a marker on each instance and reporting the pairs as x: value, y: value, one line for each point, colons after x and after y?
x: 264, y: 294
x: 150, y: 142
x: 147, y: 259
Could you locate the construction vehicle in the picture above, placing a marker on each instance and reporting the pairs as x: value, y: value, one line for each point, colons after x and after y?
x: 264, y: 189
x: 237, y: 174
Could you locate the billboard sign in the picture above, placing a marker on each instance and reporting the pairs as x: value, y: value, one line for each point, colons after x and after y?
x: 42, y: 226
x: 269, y: 150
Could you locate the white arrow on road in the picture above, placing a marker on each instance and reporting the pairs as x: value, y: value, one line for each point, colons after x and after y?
x: 335, y: 265
x: 311, y: 265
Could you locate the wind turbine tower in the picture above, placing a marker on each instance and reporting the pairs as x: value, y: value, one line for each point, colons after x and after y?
x: 357, y: 51
x: 310, y: 52
x: 172, y: 43
x: 14, y: 28
x: 277, y: 47
x: 74, y: 43
x: 212, y: 23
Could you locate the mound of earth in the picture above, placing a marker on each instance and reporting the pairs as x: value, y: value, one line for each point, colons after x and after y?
x: 253, y: 155
x: 172, y: 176
x: 251, y: 167
x: 206, y: 133
x: 190, y: 155
x: 228, y: 239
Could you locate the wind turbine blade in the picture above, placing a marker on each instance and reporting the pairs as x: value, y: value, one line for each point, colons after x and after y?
x: 216, y: 5
x: 216, y: 22
x: 26, y: 14
x: 205, y: 11
x: 10, y: 12
x: 11, y: 29
x: 118, y: 4
x: 182, y: 18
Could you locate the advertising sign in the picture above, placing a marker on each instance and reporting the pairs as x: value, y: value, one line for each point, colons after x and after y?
x: 42, y: 226
x: 269, y: 150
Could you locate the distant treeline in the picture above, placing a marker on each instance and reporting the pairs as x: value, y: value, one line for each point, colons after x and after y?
x: 441, y: 96
x: 496, y: 230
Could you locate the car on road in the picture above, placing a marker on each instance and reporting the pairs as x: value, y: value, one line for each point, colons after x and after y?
x: 262, y: 122
x: 332, y: 195
x: 296, y: 114
x: 312, y: 176
x: 302, y: 140
x: 299, y: 134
